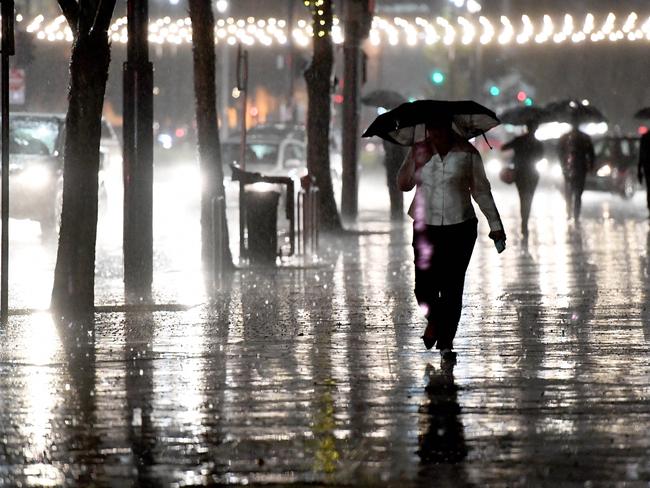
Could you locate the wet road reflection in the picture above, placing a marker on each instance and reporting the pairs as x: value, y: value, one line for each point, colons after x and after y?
x: 318, y: 374
x: 441, y: 442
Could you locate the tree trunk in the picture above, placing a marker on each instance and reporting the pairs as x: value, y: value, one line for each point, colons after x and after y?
x: 208, y: 133
x: 74, y: 275
x: 318, y: 77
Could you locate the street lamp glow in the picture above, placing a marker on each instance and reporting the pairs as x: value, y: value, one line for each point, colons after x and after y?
x: 222, y: 6
x: 396, y: 32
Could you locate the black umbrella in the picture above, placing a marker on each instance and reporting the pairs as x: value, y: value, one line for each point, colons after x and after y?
x: 644, y: 113
x: 388, y: 99
x: 524, y: 115
x: 573, y: 111
x: 405, y: 124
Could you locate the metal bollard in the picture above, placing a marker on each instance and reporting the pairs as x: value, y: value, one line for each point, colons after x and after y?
x: 315, y: 229
x: 218, y: 208
x: 308, y: 222
x: 299, y: 221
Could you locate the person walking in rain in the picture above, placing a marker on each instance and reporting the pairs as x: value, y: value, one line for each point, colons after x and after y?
x: 527, y: 151
x: 644, y: 163
x: 576, y: 153
x: 447, y: 170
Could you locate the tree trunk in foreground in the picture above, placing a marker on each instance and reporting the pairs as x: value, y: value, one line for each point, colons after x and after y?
x: 208, y: 134
x: 74, y: 275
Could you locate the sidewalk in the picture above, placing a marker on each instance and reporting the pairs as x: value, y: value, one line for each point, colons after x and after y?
x: 318, y: 376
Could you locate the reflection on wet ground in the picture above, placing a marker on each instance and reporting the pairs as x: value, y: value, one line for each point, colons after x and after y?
x: 318, y: 375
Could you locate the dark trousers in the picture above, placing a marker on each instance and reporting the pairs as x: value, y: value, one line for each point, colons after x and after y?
x: 442, y: 254
x: 526, y: 186
x: 646, y: 174
x: 573, y: 188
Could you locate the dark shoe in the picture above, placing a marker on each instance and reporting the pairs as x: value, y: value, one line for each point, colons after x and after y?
x: 448, y: 355
x: 429, y: 342
x: 430, y: 338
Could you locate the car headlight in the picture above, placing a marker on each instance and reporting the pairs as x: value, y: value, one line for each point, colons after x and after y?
x: 188, y: 176
x: 556, y: 171
x: 494, y: 166
x: 542, y: 165
x: 262, y: 186
x: 604, y: 171
x: 36, y: 176
x: 115, y: 160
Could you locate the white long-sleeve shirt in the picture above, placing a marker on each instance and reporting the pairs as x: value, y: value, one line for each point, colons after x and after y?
x: 444, y: 187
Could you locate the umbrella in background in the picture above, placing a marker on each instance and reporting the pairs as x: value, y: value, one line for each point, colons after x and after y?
x: 387, y: 99
x: 573, y: 111
x: 643, y: 113
x: 524, y: 115
x: 405, y: 125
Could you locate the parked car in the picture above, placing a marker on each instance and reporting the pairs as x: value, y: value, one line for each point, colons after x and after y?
x: 277, y: 150
x: 36, y: 143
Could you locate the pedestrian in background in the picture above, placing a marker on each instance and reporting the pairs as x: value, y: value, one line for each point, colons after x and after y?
x: 527, y: 152
x: 644, y: 163
x: 447, y: 170
x: 576, y: 153
x: 393, y: 157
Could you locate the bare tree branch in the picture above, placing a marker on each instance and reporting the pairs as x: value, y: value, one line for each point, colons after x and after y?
x: 70, y: 9
x: 104, y: 15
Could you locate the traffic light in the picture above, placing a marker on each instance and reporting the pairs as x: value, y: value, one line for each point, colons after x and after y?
x: 521, y: 96
x: 495, y: 91
x: 438, y: 77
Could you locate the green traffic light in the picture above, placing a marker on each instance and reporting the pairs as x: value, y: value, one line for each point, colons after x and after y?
x: 438, y: 77
x: 495, y: 91
x: 528, y: 102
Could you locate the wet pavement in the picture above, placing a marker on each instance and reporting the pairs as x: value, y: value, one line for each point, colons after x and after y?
x: 317, y: 375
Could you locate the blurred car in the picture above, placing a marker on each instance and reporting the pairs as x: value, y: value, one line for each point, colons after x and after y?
x: 36, y: 146
x: 277, y: 150
x: 614, y: 171
x: 615, y: 168
x: 36, y: 168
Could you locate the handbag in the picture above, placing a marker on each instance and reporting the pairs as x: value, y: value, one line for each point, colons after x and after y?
x: 507, y: 175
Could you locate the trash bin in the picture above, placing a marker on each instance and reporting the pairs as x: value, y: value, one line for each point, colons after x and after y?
x: 262, y: 225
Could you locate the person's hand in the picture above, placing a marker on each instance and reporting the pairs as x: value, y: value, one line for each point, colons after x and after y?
x: 421, y: 154
x: 497, y: 235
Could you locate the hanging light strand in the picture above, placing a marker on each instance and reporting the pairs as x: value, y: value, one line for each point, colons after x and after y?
x: 398, y: 31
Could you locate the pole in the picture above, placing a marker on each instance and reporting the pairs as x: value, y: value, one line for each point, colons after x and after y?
x: 242, y: 86
x: 7, y: 12
x: 226, y: 89
x: 225, y: 85
x: 350, y: 136
x: 290, y: 65
x: 358, y: 15
x: 138, y: 155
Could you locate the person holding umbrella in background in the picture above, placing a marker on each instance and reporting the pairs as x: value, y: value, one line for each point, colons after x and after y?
x: 576, y: 153
x: 447, y: 171
x: 393, y: 153
x: 527, y: 152
x: 644, y: 154
x: 575, y: 149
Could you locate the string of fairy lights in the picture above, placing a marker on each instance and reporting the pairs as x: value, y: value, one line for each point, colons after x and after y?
x: 395, y: 31
x: 318, y: 13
